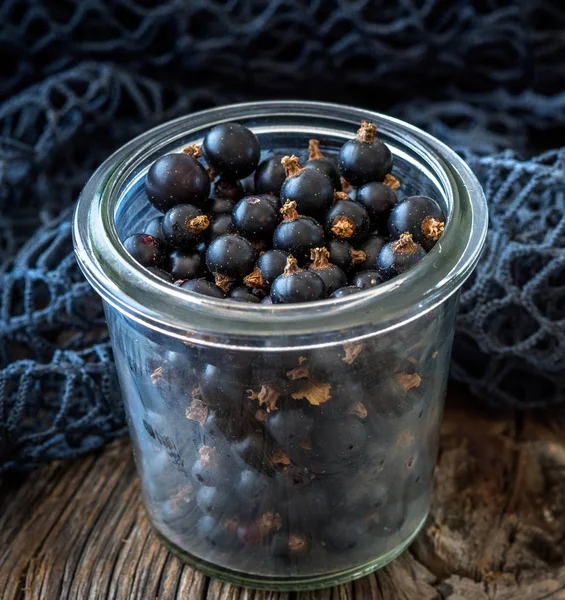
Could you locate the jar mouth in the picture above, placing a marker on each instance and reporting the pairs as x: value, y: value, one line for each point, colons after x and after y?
x: 127, y: 286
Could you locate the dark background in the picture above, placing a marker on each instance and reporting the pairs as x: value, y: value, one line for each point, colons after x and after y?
x: 80, y: 77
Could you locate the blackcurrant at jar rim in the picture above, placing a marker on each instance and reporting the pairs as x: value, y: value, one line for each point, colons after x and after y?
x: 159, y: 305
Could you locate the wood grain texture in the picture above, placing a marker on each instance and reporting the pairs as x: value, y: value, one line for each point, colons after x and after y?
x: 76, y: 530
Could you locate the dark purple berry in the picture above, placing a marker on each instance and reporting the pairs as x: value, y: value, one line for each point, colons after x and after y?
x: 214, y: 501
x: 333, y: 277
x: 243, y: 294
x: 219, y: 534
x: 231, y: 256
x: 222, y: 187
x: 296, y: 285
x: 339, y: 439
x: 420, y: 216
x: 220, y: 225
x: 378, y: 198
x: 185, y: 264
x: 366, y: 279
x: 312, y: 191
x: 145, y: 249
x: 345, y: 534
x: 255, y: 217
x: 204, y: 287
x: 341, y: 254
x: 232, y: 150
x: 345, y: 291
x: 365, y: 158
x: 368, y: 252
x: 219, y: 206
x: 297, y: 235
x: 327, y: 166
x: 184, y: 225
x: 270, y: 176
x: 399, y: 256
x: 177, y: 179
x: 271, y: 264
x: 162, y: 274
x: 155, y: 229
x: 347, y: 220
x: 267, y: 300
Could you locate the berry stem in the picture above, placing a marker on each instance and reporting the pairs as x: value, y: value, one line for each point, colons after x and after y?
x: 291, y: 267
x: 405, y: 245
x: 314, y: 152
x: 193, y: 150
x: 289, y: 212
x: 291, y: 165
x: 366, y: 133
x: 319, y: 258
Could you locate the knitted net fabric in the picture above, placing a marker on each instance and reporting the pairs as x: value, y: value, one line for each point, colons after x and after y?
x: 80, y: 77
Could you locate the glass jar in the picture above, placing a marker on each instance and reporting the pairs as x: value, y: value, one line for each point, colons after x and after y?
x: 292, y: 446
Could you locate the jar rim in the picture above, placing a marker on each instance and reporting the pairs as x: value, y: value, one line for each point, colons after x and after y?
x: 128, y: 287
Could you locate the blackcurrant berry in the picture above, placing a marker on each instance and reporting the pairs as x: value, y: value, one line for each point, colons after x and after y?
x: 184, y: 225
x: 343, y: 255
x: 297, y: 235
x: 162, y: 274
x: 243, y: 294
x: 223, y: 187
x: 155, y: 229
x: 327, y: 166
x: 420, y: 216
x: 185, y: 265
x: 333, y: 277
x: 271, y: 264
x: 214, y: 501
x: 232, y: 150
x: 204, y: 287
x: 370, y: 249
x: 267, y: 300
x: 339, y: 439
x: 270, y: 176
x: 145, y: 249
x: 365, y: 158
x: 296, y: 285
x: 347, y: 220
x: 378, y: 198
x: 231, y: 256
x: 345, y: 291
x: 220, y: 225
x: 311, y: 190
x: 218, y: 534
x: 255, y: 217
x: 343, y: 535
x: 366, y: 279
x: 176, y: 179
x: 399, y: 256
x: 219, y: 206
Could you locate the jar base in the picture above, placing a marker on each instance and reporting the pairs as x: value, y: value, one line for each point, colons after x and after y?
x: 288, y: 584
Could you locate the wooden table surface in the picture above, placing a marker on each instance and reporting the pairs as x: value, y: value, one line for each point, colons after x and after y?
x: 76, y: 529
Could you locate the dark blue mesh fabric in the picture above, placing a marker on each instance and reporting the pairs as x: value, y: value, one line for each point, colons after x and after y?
x: 80, y: 77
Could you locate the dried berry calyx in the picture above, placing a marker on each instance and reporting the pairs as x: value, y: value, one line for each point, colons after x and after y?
x: 254, y: 279
x: 405, y: 245
x: 267, y: 396
x: 320, y: 258
x: 391, y: 182
x: 289, y: 212
x: 197, y: 411
x: 352, y: 351
x: 367, y: 131
x: 314, y: 152
x: 207, y: 455
x: 157, y: 375
x: 291, y: 267
x: 407, y: 381
x: 197, y: 224
x: 193, y: 150
x: 432, y: 228
x: 340, y: 196
x: 223, y: 281
x: 291, y: 165
x: 343, y: 227
x: 316, y: 393
x: 345, y: 185
x: 358, y: 256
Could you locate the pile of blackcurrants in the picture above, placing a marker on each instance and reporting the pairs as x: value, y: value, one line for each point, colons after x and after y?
x: 289, y: 233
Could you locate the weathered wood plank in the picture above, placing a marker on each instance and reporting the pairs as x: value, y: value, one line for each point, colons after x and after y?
x: 77, y: 529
